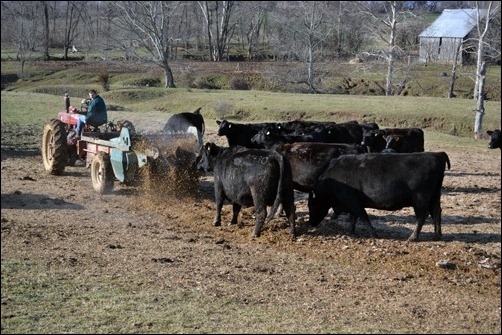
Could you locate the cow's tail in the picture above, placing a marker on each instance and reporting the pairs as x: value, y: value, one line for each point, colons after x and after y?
x: 280, y: 187
x: 446, y: 159
x: 203, y: 125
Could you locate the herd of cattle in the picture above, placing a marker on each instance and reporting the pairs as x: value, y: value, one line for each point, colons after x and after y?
x: 346, y: 167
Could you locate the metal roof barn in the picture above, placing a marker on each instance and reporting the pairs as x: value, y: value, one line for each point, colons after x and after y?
x: 446, y: 37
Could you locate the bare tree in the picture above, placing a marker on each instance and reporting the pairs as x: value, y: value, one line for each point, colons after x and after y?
x: 72, y: 17
x: 23, y: 15
x: 97, y: 29
x: 313, y: 22
x: 385, y: 17
x: 479, y: 93
x: 220, y: 28
x: 480, y: 103
x: 114, y: 36
x: 149, y: 23
x: 45, y: 6
x: 453, y: 76
x: 250, y: 22
x: 306, y: 29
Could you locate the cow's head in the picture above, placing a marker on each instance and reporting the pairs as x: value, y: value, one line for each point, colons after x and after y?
x: 372, y: 138
x: 265, y: 136
x: 223, y: 127
x: 318, y: 208
x: 495, y: 140
x: 206, y: 157
x: 393, y: 142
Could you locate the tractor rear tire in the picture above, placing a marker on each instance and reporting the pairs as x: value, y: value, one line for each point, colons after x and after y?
x: 54, y: 147
x: 102, y: 173
x: 129, y: 125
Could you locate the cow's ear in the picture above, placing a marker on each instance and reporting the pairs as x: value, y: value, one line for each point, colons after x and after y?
x: 218, y: 122
x: 489, y: 132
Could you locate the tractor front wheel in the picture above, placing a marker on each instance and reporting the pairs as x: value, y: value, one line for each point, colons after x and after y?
x: 102, y: 173
x: 54, y: 147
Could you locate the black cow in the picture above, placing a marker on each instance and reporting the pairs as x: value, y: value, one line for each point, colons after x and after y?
x: 308, y: 159
x: 181, y: 121
x: 250, y: 177
x: 240, y: 133
x: 348, y: 132
x: 301, y: 127
x: 405, y: 139
x: 352, y: 183
x: 399, y: 139
x: 270, y: 136
x: 495, y: 139
x: 373, y: 140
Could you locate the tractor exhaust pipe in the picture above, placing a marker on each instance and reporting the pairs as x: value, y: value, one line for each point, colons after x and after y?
x: 67, y: 101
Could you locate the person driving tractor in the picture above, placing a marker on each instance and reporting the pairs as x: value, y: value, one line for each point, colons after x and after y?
x: 96, y: 113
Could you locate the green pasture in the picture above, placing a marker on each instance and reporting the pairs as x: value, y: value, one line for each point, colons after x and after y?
x: 433, y: 114
x: 37, y: 96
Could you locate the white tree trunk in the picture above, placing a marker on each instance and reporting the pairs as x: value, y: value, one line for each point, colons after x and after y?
x: 453, y: 71
x: 480, y: 105
x: 392, y: 47
x: 481, y: 37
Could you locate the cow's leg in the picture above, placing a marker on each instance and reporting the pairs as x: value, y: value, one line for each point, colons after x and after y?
x: 353, y: 220
x: 217, y: 217
x: 260, y: 211
x: 290, y: 211
x: 236, y: 208
x: 360, y: 212
x: 218, y: 194
x: 421, y: 214
x: 436, y: 218
x: 335, y: 214
x: 281, y: 211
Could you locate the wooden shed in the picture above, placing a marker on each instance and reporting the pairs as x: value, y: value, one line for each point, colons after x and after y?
x: 441, y: 40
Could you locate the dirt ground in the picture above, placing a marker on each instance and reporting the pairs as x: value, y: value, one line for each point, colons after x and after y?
x: 448, y: 286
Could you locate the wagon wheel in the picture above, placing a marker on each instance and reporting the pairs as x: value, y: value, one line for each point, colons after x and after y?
x: 102, y: 173
x: 54, y: 147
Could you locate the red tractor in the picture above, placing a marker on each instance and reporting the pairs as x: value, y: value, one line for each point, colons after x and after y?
x: 60, y: 146
x: 118, y: 153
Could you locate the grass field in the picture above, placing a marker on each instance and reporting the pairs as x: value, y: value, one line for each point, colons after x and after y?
x: 38, y: 95
x: 434, y: 114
